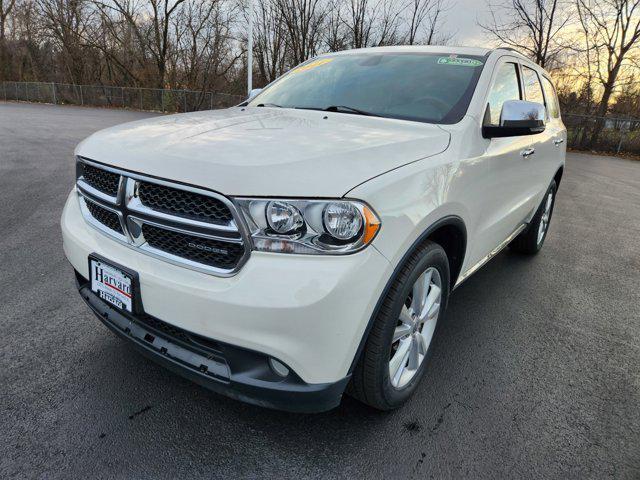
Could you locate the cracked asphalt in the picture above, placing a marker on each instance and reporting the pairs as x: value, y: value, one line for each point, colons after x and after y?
x: 536, y: 373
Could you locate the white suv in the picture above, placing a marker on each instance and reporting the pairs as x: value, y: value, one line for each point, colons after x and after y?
x: 306, y: 242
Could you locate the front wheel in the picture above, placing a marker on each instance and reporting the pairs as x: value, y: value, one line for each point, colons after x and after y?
x: 397, y: 350
x: 531, y: 240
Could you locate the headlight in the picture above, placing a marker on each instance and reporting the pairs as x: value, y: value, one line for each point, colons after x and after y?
x: 342, y: 220
x: 284, y: 218
x: 309, y: 226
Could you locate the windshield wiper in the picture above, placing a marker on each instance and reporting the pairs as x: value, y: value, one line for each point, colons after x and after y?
x: 331, y: 108
x: 346, y: 109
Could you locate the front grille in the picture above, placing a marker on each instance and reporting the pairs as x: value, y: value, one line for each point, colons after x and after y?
x: 102, y: 180
x: 193, y: 206
x: 106, y: 217
x: 215, y: 253
x: 195, y: 228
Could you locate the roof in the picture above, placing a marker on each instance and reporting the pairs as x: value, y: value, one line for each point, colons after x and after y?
x: 419, y: 49
x: 444, y: 49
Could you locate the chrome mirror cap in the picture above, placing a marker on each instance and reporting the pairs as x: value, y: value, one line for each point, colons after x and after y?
x: 253, y: 93
x: 517, y: 118
x: 522, y: 113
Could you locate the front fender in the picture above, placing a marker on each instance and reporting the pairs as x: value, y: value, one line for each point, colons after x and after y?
x: 409, y: 200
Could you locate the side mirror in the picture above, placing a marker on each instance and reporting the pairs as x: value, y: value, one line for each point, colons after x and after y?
x: 518, y: 117
x: 253, y: 93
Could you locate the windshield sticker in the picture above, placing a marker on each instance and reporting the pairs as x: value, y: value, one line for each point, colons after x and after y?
x: 467, y: 62
x: 313, y: 64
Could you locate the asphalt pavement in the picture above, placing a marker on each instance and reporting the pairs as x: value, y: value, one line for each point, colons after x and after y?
x: 536, y: 373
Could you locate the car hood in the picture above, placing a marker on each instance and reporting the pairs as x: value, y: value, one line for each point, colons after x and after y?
x: 265, y: 151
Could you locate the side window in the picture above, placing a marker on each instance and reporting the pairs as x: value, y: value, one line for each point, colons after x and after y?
x: 552, y: 98
x: 506, y: 87
x: 532, y: 87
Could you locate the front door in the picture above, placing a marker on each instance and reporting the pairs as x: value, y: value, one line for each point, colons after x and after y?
x: 510, y: 191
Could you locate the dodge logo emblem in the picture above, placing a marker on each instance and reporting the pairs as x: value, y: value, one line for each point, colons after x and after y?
x: 207, y: 248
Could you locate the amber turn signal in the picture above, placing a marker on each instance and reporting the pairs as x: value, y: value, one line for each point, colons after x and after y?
x: 371, y: 225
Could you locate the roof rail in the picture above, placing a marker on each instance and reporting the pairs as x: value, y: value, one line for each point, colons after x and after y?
x: 511, y: 50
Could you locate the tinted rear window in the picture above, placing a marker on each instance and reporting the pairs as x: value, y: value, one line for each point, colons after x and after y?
x: 532, y: 87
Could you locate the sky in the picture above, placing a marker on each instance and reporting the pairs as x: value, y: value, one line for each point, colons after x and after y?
x: 461, y: 19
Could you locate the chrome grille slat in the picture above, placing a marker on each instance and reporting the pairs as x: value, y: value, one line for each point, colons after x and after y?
x: 190, y: 230
x: 134, y: 204
x: 195, y: 228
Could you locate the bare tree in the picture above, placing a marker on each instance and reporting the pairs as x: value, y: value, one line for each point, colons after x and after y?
x: 360, y: 19
x: 393, y: 22
x: 20, y: 55
x: 201, y: 33
x: 199, y: 44
x: 269, y: 41
x: 6, y: 6
x: 336, y: 37
x: 372, y: 23
x: 303, y: 20
x: 427, y: 15
x: 115, y: 36
x: 611, y: 30
x: 65, y: 22
x: 389, y: 24
x: 532, y: 26
x: 150, y: 22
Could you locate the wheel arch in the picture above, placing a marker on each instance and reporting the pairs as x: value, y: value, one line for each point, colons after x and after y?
x: 451, y: 235
x: 450, y: 230
x: 558, y: 176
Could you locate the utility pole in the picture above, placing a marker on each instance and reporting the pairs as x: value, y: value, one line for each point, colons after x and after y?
x: 250, y: 49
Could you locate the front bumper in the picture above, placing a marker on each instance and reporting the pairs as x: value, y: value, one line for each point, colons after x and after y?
x: 308, y: 312
x: 237, y: 373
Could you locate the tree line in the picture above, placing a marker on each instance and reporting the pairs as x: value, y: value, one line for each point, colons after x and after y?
x: 592, y: 47
x: 195, y: 44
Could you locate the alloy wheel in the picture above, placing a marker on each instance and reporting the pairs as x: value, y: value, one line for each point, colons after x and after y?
x: 415, y: 328
x: 544, y: 220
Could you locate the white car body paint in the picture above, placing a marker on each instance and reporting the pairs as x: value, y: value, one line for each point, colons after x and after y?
x: 302, y: 153
x: 310, y: 311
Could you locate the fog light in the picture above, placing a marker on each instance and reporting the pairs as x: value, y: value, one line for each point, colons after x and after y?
x: 278, y: 367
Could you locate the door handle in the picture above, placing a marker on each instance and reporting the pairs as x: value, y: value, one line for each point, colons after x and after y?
x: 527, y: 152
x: 558, y: 141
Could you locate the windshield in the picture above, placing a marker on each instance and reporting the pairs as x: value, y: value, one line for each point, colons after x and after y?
x: 426, y: 87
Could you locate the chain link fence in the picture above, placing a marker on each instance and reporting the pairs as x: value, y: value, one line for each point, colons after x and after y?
x: 154, y: 99
x: 617, y: 135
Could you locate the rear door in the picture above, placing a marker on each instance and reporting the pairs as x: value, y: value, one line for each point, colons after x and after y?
x: 557, y: 130
x: 540, y: 163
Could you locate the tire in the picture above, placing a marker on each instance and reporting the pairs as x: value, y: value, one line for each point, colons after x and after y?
x: 530, y: 241
x: 371, y: 382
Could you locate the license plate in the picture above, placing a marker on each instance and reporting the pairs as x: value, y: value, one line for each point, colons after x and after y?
x: 111, y: 284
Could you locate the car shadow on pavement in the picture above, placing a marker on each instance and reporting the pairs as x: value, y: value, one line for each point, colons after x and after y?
x: 138, y: 396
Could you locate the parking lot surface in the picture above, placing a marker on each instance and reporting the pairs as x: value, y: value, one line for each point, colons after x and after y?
x: 536, y: 373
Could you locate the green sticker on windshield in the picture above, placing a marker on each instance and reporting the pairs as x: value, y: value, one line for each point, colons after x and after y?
x: 466, y: 62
